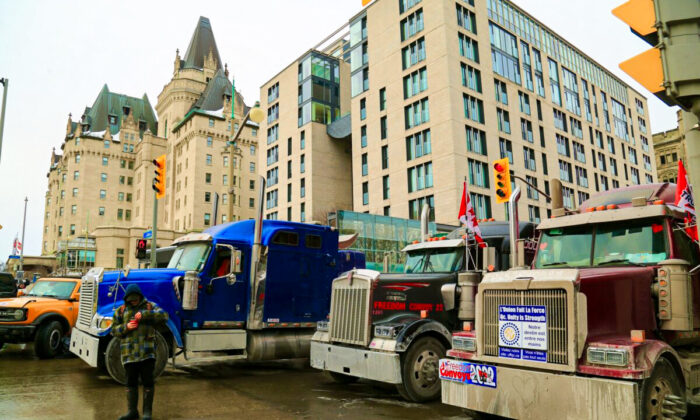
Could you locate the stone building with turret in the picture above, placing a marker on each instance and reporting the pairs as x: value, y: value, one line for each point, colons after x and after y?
x: 100, y: 199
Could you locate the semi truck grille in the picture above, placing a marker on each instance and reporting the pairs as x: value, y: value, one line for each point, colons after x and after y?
x: 349, y: 317
x: 555, y: 302
x: 87, y: 301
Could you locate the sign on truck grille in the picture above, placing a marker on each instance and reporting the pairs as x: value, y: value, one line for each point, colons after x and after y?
x: 526, y: 324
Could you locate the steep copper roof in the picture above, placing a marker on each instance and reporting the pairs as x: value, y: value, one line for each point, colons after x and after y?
x: 110, y: 103
x: 201, y: 43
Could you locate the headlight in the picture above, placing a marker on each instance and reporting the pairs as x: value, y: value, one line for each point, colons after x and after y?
x: 19, y: 314
x: 607, y: 356
x: 464, y: 343
x: 385, y: 331
x: 101, y: 323
x: 322, y: 326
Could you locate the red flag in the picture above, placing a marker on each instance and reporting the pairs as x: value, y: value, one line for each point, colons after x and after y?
x: 468, y: 217
x: 684, y: 200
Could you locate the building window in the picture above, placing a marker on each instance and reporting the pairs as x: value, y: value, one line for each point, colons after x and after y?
x: 416, y: 113
x: 363, y: 108
x: 526, y: 129
x: 560, y: 121
x: 302, y: 164
x: 411, y: 24
x: 562, y: 145
x: 209, y: 159
x: 77, y: 158
x: 571, y: 98
x: 501, y: 92
x: 364, y: 164
x: 272, y: 134
x: 385, y: 187
x: 415, y: 83
x: 382, y: 99
x: 504, y: 53
x: 533, y: 213
x: 251, y: 203
x: 302, y: 140
x: 413, y: 53
x: 554, y: 81
x: 272, y: 177
x: 207, y: 197
x: 524, y: 100
x: 420, y: 177
x: 105, y: 161
x: 415, y: 207
x: 565, y: 171
x: 120, y: 214
x: 207, y: 178
x: 581, y: 177
x: 273, y: 92
x: 579, y: 152
x: 418, y: 145
x: 101, y: 211
x: 532, y: 192
x: 363, y: 136
x: 210, y: 142
x: 73, y: 209
x: 473, y: 108
x: 365, y: 193
x: 503, y: 120
x: 506, y: 149
x: 252, y: 167
x: 211, y: 122
x: 471, y: 78
x: 76, y: 175
x: 466, y: 19
x: 103, y: 194
x: 75, y: 192
x: 476, y: 140
x: 529, y: 158
x: 289, y: 169
x: 302, y: 188
x: 478, y: 173
x: 382, y: 127
x: 271, y: 199
x: 481, y: 204
x: 385, y: 157
x: 468, y: 48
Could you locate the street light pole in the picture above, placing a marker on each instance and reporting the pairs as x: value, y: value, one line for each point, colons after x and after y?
x: 24, y: 223
x: 256, y: 115
x: 5, y: 82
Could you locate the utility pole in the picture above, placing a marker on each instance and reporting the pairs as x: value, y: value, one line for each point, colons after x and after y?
x: 24, y: 223
x: 5, y: 82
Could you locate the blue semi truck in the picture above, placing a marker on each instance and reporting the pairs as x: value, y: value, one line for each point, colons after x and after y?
x: 246, y: 290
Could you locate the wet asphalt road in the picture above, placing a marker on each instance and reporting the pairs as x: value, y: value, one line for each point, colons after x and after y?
x: 67, y: 388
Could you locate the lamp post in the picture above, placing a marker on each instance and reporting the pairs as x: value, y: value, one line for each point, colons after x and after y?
x: 255, y: 115
x: 5, y: 82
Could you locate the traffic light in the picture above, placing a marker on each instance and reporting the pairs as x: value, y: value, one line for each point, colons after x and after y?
x: 141, y: 246
x: 159, y: 180
x: 670, y: 70
x: 501, y: 176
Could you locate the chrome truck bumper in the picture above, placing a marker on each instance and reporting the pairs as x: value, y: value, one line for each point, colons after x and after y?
x: 526, y: 394
x: 358, y: 362
x: 85, y: 346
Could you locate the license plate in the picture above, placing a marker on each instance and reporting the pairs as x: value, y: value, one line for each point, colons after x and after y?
x: 468, y: 373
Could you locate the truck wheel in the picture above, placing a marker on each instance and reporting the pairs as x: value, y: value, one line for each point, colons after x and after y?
x: 662, y: 391
x: 342, y: 378
x: 49, y: 340
x: 113, y: 358
x: 419, y: 370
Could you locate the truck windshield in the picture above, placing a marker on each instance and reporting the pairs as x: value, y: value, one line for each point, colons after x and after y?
x: 436, y: 260
x: 190, y: 257
x: 634, y: 243
x: 56, y: 289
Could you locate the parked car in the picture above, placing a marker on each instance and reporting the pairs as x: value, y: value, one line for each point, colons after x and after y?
x: 44, y: 315
x: 8, y: 285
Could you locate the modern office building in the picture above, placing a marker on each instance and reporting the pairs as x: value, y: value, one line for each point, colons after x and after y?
x: 306, y: 158
x: 669, y: 147
x: 442, y: 88
x: 100, y: 198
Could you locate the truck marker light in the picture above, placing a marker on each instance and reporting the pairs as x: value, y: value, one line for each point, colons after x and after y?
x: 663, y: 303
x: 423, y: 314
x: 658, y: 202
x: 663, y: 293
x: 590, y: 209
x: 638, y: 336
x: 656, y: 228
x: 490, y: 267
x: 663, y: 273
x: 600, y: 208
x: 664, y: 313
x: 611, y: 206
x: 467, y: 326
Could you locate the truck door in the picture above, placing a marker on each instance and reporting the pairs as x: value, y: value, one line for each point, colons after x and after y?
x: 219, y: 301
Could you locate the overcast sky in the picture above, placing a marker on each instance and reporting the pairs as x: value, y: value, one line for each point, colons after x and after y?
x: 58, y: 55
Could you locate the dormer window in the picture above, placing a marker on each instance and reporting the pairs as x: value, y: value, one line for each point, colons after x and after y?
x: 86, y: 127
x: 142, y: 125
x: 126, y: 110
x: 112, y: 119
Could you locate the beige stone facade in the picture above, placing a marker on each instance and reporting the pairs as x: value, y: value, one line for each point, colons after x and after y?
x: 669, y: 148
x: 308, y: 172
x: 427, y: 67
x: 100, y: 197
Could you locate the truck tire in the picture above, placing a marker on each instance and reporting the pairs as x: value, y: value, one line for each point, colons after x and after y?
x: 662, y: 388
x: 342, y: 378
x: 113, y: 358
x: 419, y: 370
x: 49, y: 340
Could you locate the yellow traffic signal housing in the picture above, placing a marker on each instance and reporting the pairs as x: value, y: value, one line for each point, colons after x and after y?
x: 501, y: 177
x: 159, y: 180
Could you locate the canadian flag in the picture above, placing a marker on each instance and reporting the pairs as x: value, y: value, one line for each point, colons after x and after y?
x: 16, y: 247
x: 684, y: 200
x: 468, y: 217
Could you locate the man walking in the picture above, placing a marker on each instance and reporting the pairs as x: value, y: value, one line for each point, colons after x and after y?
x: 134, y: 322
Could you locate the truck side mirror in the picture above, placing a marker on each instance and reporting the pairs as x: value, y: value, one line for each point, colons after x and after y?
x: 236, y: 260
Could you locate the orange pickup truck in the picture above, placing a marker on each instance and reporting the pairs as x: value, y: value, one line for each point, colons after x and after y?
x: 44, y: 315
